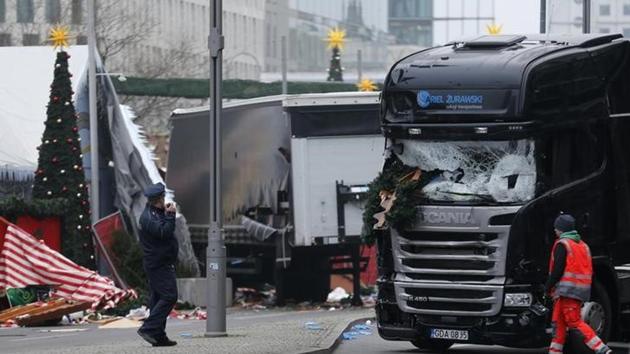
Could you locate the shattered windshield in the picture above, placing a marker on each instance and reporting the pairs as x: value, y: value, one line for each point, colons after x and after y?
x: 474, y: 171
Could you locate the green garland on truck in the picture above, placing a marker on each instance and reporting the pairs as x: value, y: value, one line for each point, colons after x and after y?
x: 403, y: 212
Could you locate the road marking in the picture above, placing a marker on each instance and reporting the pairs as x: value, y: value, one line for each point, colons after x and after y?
x: 44, y: 337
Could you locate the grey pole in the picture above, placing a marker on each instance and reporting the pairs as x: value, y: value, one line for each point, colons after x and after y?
x: 359, y: 65
x: 215, y: 252
x: 284, y: 65
x: 94, y: 192
x: 586, y: 16
x: 543, y: 16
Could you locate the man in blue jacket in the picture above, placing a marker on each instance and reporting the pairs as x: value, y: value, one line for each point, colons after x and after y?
x: 159, y: 245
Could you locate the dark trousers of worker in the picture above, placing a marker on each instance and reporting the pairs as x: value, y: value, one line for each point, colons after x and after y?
x: 566, y: 315
x: 163, y: 287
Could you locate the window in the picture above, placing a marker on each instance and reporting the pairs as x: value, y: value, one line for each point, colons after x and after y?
x: 25, y: 11
x: 5, y: 39
x: 604, y: 30
x: 81, y: 40
x: 53, y: 11
x: 604, y: 10
x: 3, y: 8
x: 626, y: 10
x: 626, y: 32
x: 77, y: 12
x: 30, y: 39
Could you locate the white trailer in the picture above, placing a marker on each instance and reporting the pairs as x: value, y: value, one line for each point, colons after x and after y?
x: 294, y: 170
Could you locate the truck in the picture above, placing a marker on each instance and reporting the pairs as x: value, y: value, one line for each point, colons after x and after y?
x: 295, y: 170
x: 511, y: 130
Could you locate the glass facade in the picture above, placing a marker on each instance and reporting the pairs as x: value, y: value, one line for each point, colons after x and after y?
x: 411, y: 21
x: 25, y: 11
x: 53, y: 11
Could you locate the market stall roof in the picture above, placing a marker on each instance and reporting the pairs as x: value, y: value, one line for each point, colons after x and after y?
x: 27, y: 73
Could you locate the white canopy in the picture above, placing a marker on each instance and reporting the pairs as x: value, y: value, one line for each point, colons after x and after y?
x: 25, y: 77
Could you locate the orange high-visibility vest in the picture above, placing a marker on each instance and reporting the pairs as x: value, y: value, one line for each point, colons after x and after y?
x: 578, y: 272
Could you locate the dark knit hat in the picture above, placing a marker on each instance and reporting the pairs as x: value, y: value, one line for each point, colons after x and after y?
x: 564, y: 223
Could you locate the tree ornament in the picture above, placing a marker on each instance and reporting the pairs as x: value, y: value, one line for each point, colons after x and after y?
x: 69, y: 140
x: 81, y: 155
x: 55, y: 159
x: 59, y: 36
x: 49, y: 192
x: 62, y: 171
x: 75, y: 129
x: 110, y: 163
x: 57, y: 65
x: 74, y: 148
x: 79, y: 195
x: 55, y: 98
x: 64, y: 189
x: 46, y: 141
x: 67, y: 103
x: 78, y: 139
x: 45, y: 179
x: 76, y: 167
x: 55, y: 141
x: 59, y: 119
x: 81, y: 216
x: 81, y: 185
x: 79, y: 227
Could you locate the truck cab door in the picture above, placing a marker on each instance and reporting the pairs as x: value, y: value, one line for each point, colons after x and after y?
x: 620, y: 173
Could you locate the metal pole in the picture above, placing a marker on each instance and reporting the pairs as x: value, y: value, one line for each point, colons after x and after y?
x: 543, y: 16
x: 93, y: 118
x: 215, y: 252
x: 586, y: 16
x: 284, y: 65
x: 359, y: 65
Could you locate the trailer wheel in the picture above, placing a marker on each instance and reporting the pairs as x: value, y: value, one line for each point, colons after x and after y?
x: 439, y: 346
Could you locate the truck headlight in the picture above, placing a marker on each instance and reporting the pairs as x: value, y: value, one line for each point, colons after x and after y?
x: 518, y: 300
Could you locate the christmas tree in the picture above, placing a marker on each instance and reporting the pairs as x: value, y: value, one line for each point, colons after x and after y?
x: 59, y: 172
x: 336, y: 39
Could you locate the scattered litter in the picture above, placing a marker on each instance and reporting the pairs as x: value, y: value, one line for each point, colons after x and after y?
x: 140, y: 313
x: 360, y: 327
x: 368, y: 323
x: 337, y: 295
x: 121, y: 323
x: 332, y: 309
x: 349, y: 335
x: 186, y: 335
x: 313, y: 326
x: 63, y: 330
x: 255, y: 299
x: 196, y: 314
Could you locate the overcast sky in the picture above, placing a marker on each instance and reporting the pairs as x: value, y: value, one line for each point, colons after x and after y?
x: 518, y: 16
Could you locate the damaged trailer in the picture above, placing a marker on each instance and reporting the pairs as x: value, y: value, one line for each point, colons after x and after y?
x: 295, y: 171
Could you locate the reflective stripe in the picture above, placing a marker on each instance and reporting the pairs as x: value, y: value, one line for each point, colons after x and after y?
x: 575, y: 291
x: 595, y: 341
x: 578, y: 276
x: 556, y: 346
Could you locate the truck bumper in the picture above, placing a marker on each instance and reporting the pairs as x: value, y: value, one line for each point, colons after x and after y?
x: 512, y: 329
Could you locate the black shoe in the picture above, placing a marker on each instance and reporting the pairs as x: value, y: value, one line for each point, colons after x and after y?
x: 165, y: 342
x: 149, y: 338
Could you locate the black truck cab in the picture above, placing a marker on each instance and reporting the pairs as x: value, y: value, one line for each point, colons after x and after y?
x: 515, y: 129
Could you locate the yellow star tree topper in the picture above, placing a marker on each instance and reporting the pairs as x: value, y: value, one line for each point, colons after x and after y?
x: 366, y: 85
x: 336, y: 38
x: 494, y: 29
x: 59, y: 36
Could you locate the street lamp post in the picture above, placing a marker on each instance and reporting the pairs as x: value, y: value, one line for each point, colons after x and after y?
x: 586, y: 16
x: 215, y: 252
x: 94, y: 187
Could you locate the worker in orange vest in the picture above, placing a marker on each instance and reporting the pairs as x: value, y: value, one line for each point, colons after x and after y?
x: 569, y: 283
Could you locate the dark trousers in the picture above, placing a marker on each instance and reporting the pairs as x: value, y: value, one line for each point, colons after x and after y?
x: 163, y: 289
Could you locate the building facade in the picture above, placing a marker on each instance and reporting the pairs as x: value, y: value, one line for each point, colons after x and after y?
x: 607, y: 16
x: 426, y: 23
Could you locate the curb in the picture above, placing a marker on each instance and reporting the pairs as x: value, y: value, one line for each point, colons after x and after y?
x: 333, y: 343
x: 619, y: 348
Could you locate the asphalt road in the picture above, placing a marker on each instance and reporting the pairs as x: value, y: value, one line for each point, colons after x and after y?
x: 372, y: 344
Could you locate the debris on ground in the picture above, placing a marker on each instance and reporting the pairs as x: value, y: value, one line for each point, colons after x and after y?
x: 250, y: 298
x: 196, y: 314
x: 358, y: 330
x: 337, y: 295
x: 138, y: 314
x: 313, y: 326
x: 121, y: 323
x: 42, y: 313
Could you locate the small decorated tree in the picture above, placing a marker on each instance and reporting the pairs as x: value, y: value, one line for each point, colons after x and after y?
x: 336, y: 38
x: 59, y: 172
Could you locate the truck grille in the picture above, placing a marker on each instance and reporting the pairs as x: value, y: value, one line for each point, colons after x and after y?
x: 456, y: 270
x: 447, y: 299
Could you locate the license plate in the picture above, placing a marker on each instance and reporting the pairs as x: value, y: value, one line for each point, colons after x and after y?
x: 451, y: 334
